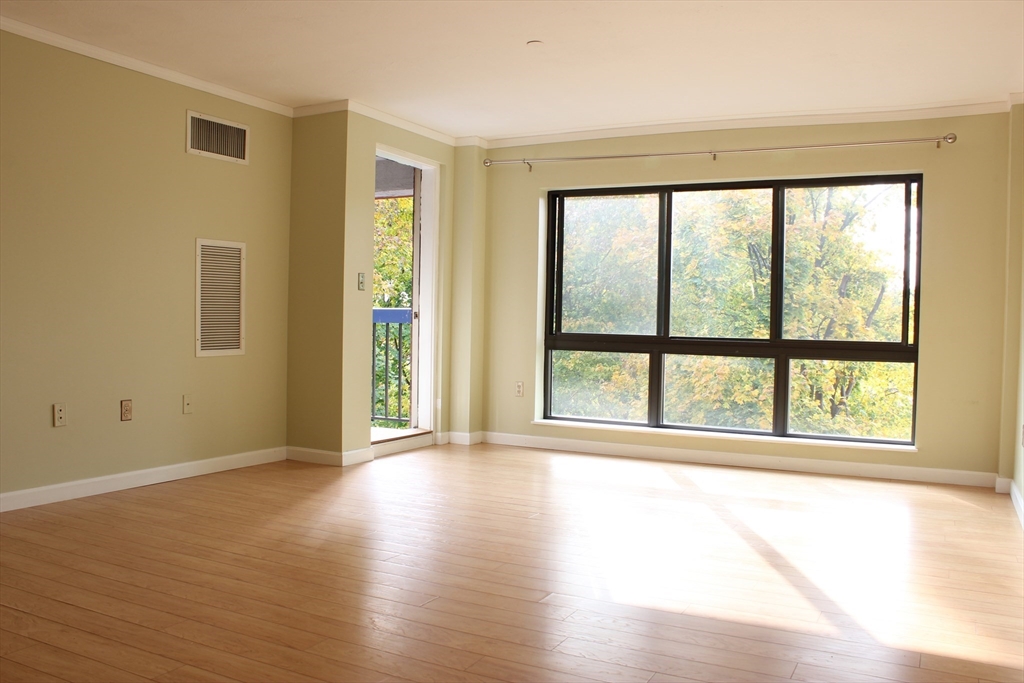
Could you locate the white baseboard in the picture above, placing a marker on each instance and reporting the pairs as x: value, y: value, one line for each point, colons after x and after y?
x: 1018, y: 503
x: 14, y: 500
x: 408, y: 443
x: 466, y: 438
x: 1003, y: 484
x: 770, y: 462
x: 315, y: 455
x: 357, y: 456
x: 440, y: 438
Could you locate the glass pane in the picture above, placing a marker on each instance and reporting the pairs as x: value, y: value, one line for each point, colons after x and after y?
x: 851, y: 398
x: 610, y: 265
x: 913, y: 262
x: 721, y: 263
x: 844, y: 263
x: 604, y: 386
x: 719, y: 391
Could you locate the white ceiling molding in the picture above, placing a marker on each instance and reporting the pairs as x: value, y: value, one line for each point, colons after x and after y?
x: 99, y: 53
x: 376, y: 114
x: 472, y: 141
x: 823, y: 119
x: 940, y: 110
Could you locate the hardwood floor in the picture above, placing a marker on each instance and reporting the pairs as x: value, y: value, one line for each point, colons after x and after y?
x: 489, y: 563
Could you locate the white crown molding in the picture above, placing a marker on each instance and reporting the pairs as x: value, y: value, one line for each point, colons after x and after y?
x: 72, y: 45
x: 472, y: 141
x: 659, y: 128
x: 769, y: 462
x: 810, y: 119
x: 376, y: 114
x: 14, y: 500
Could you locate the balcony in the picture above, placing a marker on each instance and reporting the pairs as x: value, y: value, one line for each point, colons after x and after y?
x: 391, y: 399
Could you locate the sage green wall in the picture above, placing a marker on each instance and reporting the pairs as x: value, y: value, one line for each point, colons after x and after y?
x: 1009, y: 433
x: 468, y: 291
x: 1015, y: 230
x: 963, y: 270
x: 100, y: 207
x: 315, y: 281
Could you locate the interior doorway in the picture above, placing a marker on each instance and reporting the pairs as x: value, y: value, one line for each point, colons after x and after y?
x: 398, y: 210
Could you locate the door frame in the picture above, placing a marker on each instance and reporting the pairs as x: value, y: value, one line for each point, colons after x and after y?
x: 426, y: 259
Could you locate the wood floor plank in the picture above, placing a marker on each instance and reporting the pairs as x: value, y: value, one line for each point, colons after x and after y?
x: 71, y: 667
x: 13, y: 672
x: 9, y: 642
x: 493, y: 563
x: 80, y: 642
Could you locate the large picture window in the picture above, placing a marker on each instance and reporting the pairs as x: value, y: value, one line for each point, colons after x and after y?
x: 777, y: 307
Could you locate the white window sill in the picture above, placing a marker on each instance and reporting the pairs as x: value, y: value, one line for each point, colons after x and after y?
x: 755, y: 438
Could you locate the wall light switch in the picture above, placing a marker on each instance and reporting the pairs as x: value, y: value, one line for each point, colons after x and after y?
x: 362, y: 281
x: 186, y: 404
x: 60, y: 415
x: 126, y: 410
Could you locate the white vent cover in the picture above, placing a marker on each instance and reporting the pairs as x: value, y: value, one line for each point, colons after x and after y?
x: 220, y: 298
x: 217, y: 138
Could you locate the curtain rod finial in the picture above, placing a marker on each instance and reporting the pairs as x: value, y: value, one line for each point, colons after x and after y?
x: 949, y: 138
x: 487, y: 163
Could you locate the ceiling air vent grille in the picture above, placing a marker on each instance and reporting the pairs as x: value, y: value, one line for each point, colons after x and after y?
x: 210, y: 137
x: 220, y: 298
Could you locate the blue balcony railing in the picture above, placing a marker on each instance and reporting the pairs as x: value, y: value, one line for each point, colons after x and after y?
x: 392, y: 365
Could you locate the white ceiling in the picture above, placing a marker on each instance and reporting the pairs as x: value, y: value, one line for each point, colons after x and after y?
x: 464, y: 69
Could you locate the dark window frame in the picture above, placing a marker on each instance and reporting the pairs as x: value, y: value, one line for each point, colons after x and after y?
x: 776, y: 346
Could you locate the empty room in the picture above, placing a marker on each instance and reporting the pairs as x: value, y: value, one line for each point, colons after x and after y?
x: 516, y: 341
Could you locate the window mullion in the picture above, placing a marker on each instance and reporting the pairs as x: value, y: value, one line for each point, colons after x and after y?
x: 781, y: 395
x: 655, y: 384
x: 906, y: 263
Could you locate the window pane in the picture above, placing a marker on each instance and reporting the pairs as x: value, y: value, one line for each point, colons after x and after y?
x: 721, y: 263
x: 719, y: 391
x: 610, y: 264
x: 606, y: 386
x: 852, y: 398
x: 843, y: 274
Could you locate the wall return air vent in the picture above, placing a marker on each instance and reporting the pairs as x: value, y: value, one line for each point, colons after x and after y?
x: 217, y: 138
x: 220, y: 298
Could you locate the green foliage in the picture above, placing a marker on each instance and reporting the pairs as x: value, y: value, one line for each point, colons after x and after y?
x: 392, y: 288
x: 721, y: 263
x: 608, y: 386
x: 843, y: 280
x: 392, y: 253
x: 873, y: 400
x: 717, y: 391
x: 844, y: 263
x: 610, y: 264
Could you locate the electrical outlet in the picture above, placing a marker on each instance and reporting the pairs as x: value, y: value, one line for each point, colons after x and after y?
x: 126, y: 410
x: 519, y: 389
x: 362, y: 281
x: 60, y: 415
x: 186, y: 404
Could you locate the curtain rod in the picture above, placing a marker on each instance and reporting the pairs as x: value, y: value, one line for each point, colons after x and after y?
x: 948, y: 138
